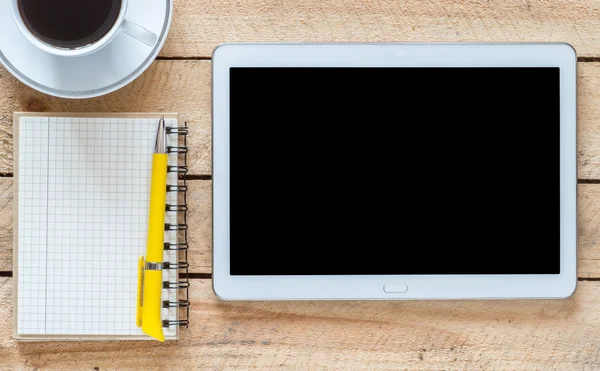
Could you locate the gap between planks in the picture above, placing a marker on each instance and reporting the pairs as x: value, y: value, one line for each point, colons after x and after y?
x: 192, y: 276
x: 186, y: 177
x: 208, y: 276
x: 209, y: 177
x: 198, y: 58
x: 159, y: 58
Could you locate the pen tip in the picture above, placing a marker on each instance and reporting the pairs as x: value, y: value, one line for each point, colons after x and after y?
x: 161, y: 137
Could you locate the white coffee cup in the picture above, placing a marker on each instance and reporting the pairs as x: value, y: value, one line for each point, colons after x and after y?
x: 120, y: 25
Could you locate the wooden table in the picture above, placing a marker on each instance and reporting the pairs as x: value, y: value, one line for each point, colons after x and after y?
x: 530, y: 335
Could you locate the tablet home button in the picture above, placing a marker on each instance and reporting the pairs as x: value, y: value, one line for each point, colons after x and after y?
x: 394, y: 289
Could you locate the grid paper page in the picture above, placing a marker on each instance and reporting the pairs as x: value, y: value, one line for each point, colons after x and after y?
x: 83, y: 212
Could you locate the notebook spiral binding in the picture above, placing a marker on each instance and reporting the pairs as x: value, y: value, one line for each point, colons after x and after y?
x: 180, y: 228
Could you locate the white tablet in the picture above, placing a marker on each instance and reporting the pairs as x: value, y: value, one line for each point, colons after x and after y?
x: 394, y: 171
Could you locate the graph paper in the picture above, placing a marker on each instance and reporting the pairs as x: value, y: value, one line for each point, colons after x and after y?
x: 83, y: 188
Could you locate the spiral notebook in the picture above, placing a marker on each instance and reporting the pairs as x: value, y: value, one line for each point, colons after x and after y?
x: 81, y: 193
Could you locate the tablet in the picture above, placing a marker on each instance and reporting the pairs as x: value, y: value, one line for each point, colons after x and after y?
x: 394, y: 171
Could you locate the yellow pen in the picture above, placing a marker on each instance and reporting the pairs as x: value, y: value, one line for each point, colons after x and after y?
x: 150, y: 270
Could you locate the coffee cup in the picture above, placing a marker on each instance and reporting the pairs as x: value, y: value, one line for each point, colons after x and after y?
x: 71, y: 28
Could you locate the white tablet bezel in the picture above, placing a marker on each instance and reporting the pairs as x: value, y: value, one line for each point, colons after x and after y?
x: 395, y: 55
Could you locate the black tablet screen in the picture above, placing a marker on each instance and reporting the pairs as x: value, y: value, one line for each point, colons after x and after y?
x: 394, y: 171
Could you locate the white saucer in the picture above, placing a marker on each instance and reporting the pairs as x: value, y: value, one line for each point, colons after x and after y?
x: 99, y: 73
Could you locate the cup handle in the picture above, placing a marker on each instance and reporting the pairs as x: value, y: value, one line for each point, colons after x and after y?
x: 139, y: 32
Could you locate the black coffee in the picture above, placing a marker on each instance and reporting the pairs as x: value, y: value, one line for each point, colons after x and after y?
x: 69, y: 23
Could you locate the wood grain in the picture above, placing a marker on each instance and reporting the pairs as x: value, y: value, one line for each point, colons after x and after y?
x: 199, y: 220
x: 201, y: 25
x: 343, y: 335
x: 167, y: 86
x: 184, y: 87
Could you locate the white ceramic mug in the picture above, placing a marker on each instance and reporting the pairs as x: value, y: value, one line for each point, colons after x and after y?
x: 121, y: 24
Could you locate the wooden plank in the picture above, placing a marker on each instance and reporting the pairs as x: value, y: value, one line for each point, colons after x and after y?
x: 184, y: 87
x: 199, y: 200
x: 588, y: 104
x: 6, y: 224
x: 588, y: 211
x: 199, y: 220
x: 343, y: 335
x: 167, y: 86
x: 199, y: 26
